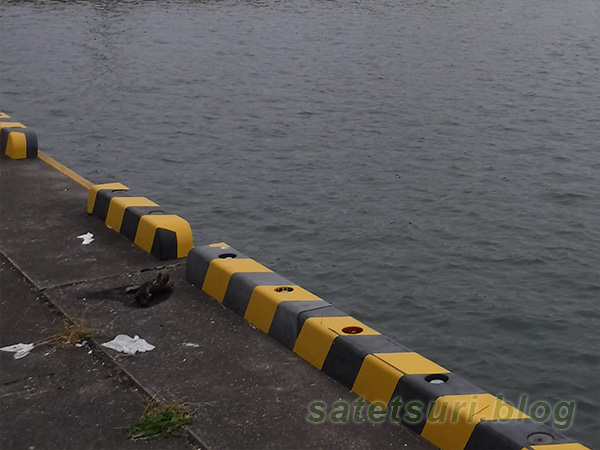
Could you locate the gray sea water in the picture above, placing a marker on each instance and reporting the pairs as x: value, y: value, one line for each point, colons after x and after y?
x: 431, y: 167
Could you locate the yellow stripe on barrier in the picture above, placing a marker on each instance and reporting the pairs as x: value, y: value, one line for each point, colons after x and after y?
x: 317, y: 335
x: 11, y: 125
x: 376, y: 380
x: 265, y: 299
x: 4, y: 116
x: 220, y: 271
x: 380, y: 372
x: 117, y: 207
x: 453, y: 417
x: 16, y: 146
x: 65, y: 170
x: 411, y: 363
x: 95, y: 188
x: 149, y: 224
x: 573, y: 446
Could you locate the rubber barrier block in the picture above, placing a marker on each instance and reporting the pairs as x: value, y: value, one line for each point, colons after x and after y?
x: 347, y: 354
x: 220, y: 272
x: 223, y: 264
x: 118, y: 206
x: 164, y: 236
x: 426, y: 388
x: 99, y: 197
x: 131, y: 219
x: 266, y: 298
x: 5, y: 126
x: 453, y: 418
x: 513, y: 434
x: 287, y: 321
x: 4, y: 116
x: 380, y: 373
x: 18, y: 143
x: 318, y: 333
x: 200, y: 258
x: 242, y: 285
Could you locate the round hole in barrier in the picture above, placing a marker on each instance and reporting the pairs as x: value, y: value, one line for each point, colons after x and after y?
x: 352, y: 330
x: 284, y: 289
x: 227, y: 255
x: 436, y: 378
x: 156, y: 212
x: 540, y: 438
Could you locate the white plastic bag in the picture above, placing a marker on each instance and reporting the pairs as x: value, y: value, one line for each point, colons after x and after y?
x: 88, y: 238
x: 130, y: 345
x: 19, y: 350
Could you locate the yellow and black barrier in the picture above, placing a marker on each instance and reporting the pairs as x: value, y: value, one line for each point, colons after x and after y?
x: 16, y: 140
x: 165, y: 236
x: 456, y: 414
x: 267, y: 300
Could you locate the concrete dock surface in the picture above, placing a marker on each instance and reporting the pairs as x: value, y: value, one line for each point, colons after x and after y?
x: 249, y: 392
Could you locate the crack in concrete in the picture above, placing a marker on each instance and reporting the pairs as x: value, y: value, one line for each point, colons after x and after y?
x: 20, y: 380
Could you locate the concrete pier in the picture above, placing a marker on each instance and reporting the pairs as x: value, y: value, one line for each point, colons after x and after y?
x: 248, y: 390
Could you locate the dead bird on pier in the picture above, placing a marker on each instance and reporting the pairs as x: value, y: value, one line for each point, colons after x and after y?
x: 152, y: 289
x: 148, y: 294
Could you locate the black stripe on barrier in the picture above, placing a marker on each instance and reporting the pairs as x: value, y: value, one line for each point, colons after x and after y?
x: 242, y: 284
x: 347, y: 354
x: 319, y: 330
x: 286, y: 323
x: 32, y: 144
x: 131, y: 219
x: 15, y: 150
x: 4, y: 137
x: 425, y: 390
x: 103, y: 198
x: 199, y: 260
x: 153, y: 236
x: 164, y: 245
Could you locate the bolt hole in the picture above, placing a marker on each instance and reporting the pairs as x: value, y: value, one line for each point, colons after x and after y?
x: 352, y: 330
x: 284, y: 289
x: 156, y: 212
x: 540, y: 438
x: 436, y: 378
x: 227, y: 255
